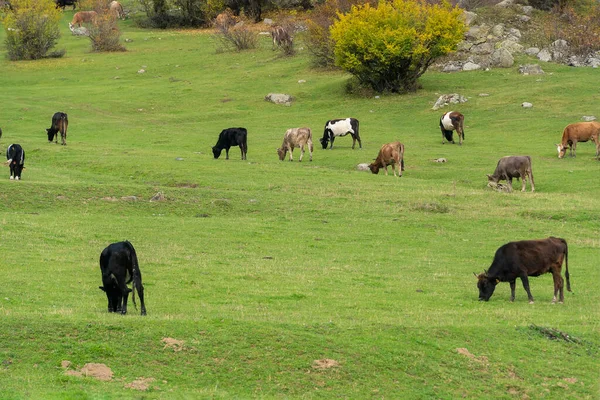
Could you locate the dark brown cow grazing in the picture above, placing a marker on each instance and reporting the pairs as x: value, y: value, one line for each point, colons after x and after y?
x: 452, y: 121
x: 389, y: 154
x: 579, y: 132
x: 60, y: 122
x: 296, y: 137
x: 513, y: 167
x: 281, y: 37
x: 523, y: 259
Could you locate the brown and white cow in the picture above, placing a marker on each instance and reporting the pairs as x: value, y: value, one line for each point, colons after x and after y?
x: 510, y: 167
x: 579, y: 132
x: 296, y: 137
x: 524, y: 259
x: 452, y: 121
x: 83, y: 17
x: 116, y: 9
x: 281, y: 37
x: 389, y: 154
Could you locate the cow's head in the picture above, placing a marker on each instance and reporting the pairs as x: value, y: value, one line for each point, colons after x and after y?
x: 281, y: 153
x: 374, y: 168
x: 324, y: 141
x: 51, y: 132
x: 216, y: 152
x: 113, y: 294
x: 486, y: 286
x: 562, y: 150
x: 492, y: 181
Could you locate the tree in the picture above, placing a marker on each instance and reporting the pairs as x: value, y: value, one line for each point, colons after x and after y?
x: 390, y: 46
x: 31, y: 28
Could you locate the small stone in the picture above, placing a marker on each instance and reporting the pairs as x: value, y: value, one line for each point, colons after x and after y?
x: 526, y: 105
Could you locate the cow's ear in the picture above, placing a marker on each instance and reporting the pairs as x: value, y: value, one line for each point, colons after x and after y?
x: 475, y: 275
x: 102, y: 288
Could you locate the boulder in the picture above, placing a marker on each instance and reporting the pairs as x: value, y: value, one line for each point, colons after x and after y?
x: 451, y: 68
x: 531, y: 69
x: 510, y: 45
x: 498, y: 30
x: 471, y: 66
x: 505, y: 3
x: 559, y: 49
x: 469, y: 17
x: 502, y: 58
x: 532, y: 51
x: 446, y: 99
x: 544, y: 55
x: 524, y: 18
x: 279, y: 98
x: 483, y: 48
x: 527, y: 9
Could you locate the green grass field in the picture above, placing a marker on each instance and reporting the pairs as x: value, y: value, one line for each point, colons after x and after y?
x: 262, y: 267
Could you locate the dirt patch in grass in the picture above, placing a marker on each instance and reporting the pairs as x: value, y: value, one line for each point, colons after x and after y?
x: 325, y: 363
x: 467, y: 353
x: 170, y: 343
x: 92, y: 370
x: 141, y: 384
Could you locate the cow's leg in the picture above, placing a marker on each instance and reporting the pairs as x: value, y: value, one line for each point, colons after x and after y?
x: 558, y: 284
x: 385, y: 168
x: 525, y: 281
x: 291, y: 156
x: 523, y: 182
x: 310, y: 150
x: 512, y: 283
x: 125, y: 294
x: 359, y: 142
x: 227, y: 153
x: 140, y: 290
x: 530, y: 173
x: 301, y: 153
x: 331, y: 142
x: 509, y: 184
x: 353, y: 141
x: 573, y: 149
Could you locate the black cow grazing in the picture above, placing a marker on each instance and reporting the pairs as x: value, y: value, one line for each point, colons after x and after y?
x: 119, y: 266
x: 231, y: 137
x: 510, y: 167
x: 15, y: 159
x: 450, y: 122
x: 340, y: 127
x: 63, y: 3
x: 60, y: 122
x: 523, y: 259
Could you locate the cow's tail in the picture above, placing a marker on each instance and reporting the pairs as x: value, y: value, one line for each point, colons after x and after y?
x: 137, y: 280
x: 567, y: 265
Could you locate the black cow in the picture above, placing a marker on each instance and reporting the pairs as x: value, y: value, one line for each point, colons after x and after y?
x: 63, y: 3
x: 510, y: 167
x: 60, y: 122
x: 15, y: 158
x: 523, y: 259
x: 119, y: 266
x: 340, y: 127
x: 231, y: 137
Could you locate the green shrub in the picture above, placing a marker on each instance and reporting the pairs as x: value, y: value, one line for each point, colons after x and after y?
x: 390, y: 46
x: 31, y: 29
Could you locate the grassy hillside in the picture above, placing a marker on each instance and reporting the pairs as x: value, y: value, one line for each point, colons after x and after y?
x: 262, y: 267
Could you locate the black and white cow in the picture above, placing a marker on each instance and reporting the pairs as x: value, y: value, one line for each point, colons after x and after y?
x: 452, y: 121
x: 15, y: 159
x: 119, y: 266
x: 340, y: 127
x: 60, y: 122
x: 231, y: 137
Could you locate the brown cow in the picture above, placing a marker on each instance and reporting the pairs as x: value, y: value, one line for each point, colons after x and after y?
x: 225, y: 20
x: 116, y: 9
x: 579, y: 132
x: 523, y: 259
x: 281, y: 37
x: 296, y: 137
x: 510, y: 167
x: 452, y: 121
x: 83, y: 17
x: 389, y: 154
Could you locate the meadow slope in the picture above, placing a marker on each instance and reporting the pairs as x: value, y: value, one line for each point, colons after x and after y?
x: 262, y: 267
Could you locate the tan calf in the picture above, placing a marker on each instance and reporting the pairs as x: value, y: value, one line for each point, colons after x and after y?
x: 389, y: 154
x: 296, y: 137
x: 83, y: 17
x: 116, y: 9
x: 579, y: 132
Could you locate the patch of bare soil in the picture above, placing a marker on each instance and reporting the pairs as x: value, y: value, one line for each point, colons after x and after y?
x: 93, y: 370
x: 170, y: 343
x: 467, y: 353
x: 325, y: 363
x: 141, y: 384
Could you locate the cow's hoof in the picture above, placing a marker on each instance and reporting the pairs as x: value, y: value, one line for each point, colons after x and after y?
x: 531, y: 302
x: 17, y: 178
x: 12, y: 177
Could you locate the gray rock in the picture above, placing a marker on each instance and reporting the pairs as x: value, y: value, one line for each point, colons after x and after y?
x: 531, y: 69
x: 526, y: 105
x: 451, y: 68
x: 477, y: 34
x: 279, y: 98
x: 527, y: 9
x: 141, y: 71
x: 498, y: 30
x: 544, y: 55
x: 532, y: 51
x: 502, y: 58
x: 559, y: 49
x: 158, y: 197
x: 505, y: 3
x: 524, y: 18
x: 471, y: 66
x: 588, y: 118
x: 362, y: 167
x: 268, y: 21
x: 514, y: 32
x: 445, y: 99
x: 469, y: 17
x: 483, y: 48
x: 512, y: 46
